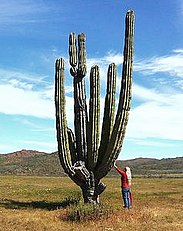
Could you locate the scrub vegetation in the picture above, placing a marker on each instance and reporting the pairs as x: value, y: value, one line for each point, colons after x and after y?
x: 55, y: 203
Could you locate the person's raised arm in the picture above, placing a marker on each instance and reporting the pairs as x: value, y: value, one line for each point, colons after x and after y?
x: 118, y: 169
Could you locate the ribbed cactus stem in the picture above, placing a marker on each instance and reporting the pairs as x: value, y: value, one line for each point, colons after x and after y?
x: 72, y: 50
x: 80, y: 108
x: 62, y: 136
x: 81, y: 55
x: 121, y: 119
x: 126, y: 84
x: 94, y: 117
x: 109, y: 111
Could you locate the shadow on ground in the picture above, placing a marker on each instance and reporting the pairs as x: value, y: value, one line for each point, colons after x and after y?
x: 12, y: 204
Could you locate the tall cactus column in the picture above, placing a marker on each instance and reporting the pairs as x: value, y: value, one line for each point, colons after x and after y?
x: 85, y: 155
x: 78, y: 71
x: 117, y: 131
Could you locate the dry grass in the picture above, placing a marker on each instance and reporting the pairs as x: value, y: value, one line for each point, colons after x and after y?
x: 41, y: 203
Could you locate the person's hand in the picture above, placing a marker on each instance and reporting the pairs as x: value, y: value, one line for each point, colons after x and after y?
x: 115, y: 164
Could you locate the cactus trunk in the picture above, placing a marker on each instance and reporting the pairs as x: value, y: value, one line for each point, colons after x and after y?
x: 84, y: 159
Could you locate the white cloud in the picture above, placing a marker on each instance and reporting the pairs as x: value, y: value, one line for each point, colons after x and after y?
x: 146, y: 94
x: 18, y: 101
x: 22, y: 85
x: 103, y: 63
x: 69, y: 89
x: 113, y: 57
x: 159, y: 113
x: 25, y: 93
x: 16, y: 77
x: 159, y: 116
x: 178, y: 51
x: 160, y: 109
x: 171, y: 64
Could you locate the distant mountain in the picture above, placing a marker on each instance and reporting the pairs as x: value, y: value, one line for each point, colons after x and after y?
x: 29, y: 162
x: 34, y: 163
x: 154, y: 167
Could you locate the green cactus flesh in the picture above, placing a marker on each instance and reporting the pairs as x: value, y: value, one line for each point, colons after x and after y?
x: 61, y: 122
x: 94, y: 117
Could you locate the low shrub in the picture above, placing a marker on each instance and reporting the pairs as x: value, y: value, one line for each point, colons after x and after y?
x: 88, y: 212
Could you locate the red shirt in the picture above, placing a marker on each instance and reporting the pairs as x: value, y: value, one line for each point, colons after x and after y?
x: 124, y: 179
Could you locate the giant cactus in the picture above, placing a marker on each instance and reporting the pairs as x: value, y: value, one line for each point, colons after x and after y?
x: 85, y: 155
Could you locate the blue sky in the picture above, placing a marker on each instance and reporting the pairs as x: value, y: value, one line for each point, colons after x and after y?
x: 33, y: 33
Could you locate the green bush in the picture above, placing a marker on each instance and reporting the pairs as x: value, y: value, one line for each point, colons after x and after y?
x: 86, y: 212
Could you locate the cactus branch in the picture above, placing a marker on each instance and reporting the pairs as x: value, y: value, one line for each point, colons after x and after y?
x: 115, y: 143
x: 94, y: 117
x: 62, y: 136
x: 80, y: 107
x: 81, y: 55
x: 109, y: 111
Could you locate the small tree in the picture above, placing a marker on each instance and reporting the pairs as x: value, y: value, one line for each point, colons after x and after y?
x: 84, y: 155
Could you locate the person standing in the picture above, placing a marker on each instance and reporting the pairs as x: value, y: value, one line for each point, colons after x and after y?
x: 125, y: 185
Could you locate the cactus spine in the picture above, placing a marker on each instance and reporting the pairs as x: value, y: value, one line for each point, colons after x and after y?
x: 85, y: 156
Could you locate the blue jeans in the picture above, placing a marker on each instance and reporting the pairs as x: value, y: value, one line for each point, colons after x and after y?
x: 126, y: 197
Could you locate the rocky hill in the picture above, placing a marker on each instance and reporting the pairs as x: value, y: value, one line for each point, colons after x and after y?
x: 154, y: 167
x: 28, y: 162
x: 34, y: 163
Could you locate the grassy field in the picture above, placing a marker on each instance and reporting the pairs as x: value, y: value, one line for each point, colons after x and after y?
x: 45, y: 203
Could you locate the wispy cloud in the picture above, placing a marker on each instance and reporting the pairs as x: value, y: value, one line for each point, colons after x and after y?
x: 158, y: 116
x: 103, y: 62
x: 19, y: 101
x: 24, y: 93
x: 21, y: 11
x: 34, y: 126
x: 17, y: 76
x: 16, y: 83
x: 40, y: 145
x: 171, y: 64
x: 151, y: 142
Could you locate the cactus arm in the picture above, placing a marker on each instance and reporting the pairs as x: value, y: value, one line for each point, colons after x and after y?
x: 109, y: 111
x: 78, y: 71
x: 121, y: 119
x: 64, y: 135
x: 61, y: 123
x: 80, y: 118
x: 126, y: 84
x: 72, y: 50
x: 81, y: 55
x: 94, y: 117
